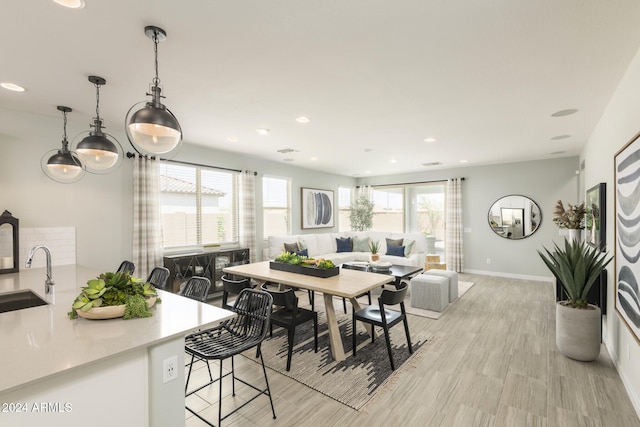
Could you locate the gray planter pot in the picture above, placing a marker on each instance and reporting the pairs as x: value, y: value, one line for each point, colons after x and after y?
x: 578, y: 332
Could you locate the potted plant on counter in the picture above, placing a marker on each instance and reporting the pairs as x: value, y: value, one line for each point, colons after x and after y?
x: 571, y: 218
x: 578, y: 323
x: 113, y: 295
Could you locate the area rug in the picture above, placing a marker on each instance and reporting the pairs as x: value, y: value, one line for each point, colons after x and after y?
x: 463, y: 287
x: 355, y: 380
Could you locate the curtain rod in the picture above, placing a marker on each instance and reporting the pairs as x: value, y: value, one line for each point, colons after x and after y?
x: 130, y: 155
x: 408, y: 183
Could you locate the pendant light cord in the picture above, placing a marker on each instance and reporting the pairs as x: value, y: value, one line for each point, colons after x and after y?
x: 97, y: 101
x: 156, y: 80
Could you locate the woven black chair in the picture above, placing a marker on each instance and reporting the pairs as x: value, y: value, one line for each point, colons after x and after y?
x: 230, y: 338
x: 126, y: 266
x: 289, y: 316
x: 378, y: 315
x: 360, y: 268
x: 233, y: 287
x: 196, y: 288
x: 158, y: 277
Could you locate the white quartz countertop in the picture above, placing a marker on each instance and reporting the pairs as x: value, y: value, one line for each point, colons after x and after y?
x: 39, y: 342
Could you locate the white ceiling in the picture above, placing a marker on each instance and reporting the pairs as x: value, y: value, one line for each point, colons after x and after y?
x: 375, y: 77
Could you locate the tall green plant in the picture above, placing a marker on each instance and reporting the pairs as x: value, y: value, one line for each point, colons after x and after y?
x: 576, y: 266
x: 361, y: 214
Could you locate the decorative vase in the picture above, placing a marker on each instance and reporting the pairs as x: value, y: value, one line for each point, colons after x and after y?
x: 578, y: 331
x: 575, y: 234
x: 375, y: 257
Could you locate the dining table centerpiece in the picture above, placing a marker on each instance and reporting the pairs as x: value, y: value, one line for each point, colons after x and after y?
x: 301, y: 264
x: 113, y: 295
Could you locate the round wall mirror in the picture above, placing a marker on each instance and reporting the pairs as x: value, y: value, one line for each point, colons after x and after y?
x: 514, y: 217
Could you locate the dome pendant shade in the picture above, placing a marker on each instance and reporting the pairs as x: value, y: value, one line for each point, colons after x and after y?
x: 64, y: 167
x: 97, y: 152
x: 154, y: 129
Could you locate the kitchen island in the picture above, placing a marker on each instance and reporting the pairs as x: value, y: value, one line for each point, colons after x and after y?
x: 55, y: 371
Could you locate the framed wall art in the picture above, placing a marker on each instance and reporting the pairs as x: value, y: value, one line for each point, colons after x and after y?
x: 317, y: 208
x: 627, y: 234
x: 596, y: 218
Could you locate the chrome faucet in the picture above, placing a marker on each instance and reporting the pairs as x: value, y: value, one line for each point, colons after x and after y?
x: 48, y: 284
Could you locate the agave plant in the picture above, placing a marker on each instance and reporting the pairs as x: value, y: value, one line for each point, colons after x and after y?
x: 576, y: 266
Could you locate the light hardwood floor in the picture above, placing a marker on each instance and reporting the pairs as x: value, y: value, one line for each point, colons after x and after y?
x: 493, y: 363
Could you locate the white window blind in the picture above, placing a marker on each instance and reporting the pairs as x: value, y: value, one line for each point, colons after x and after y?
x: 276, y: 203
x: 199, y: 205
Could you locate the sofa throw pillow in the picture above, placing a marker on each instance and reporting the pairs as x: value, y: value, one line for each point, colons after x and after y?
x: 395, y: 250
x: 291, y: 247
x: 302, y: 244
x: 394, y: 242
x: 360, y: 244
x: 344, y: 245
x: 408, y: 247
x: 303, y: 252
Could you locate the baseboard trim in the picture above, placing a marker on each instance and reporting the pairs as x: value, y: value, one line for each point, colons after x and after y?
x: 512, y: 276
x: 635, y: 400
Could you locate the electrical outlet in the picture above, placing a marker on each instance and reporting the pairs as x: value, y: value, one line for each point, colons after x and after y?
x: 488, y: 260
x: 169, y: 369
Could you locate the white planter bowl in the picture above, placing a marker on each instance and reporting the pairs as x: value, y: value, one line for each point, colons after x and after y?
x: 109, y: 312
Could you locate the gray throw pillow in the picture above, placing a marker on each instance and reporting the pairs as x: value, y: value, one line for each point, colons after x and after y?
x: 394, y: 242
x: 360, y: 244
x: 291, y: 247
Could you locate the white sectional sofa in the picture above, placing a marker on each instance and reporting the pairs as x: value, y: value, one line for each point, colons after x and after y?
x: 324, y: 245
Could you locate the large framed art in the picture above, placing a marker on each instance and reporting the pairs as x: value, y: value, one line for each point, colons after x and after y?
x: 317, y: 208
x: 596, y: 219
x: 627, y: 233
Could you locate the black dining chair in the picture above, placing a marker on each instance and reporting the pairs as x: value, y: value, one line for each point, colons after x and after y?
x: 359, y: 268
x: 158, y: 277
x: 232, y: 337
x: 289, y: 316
x: 232, y: 287
x: 196, y: 288
x: 126, y: 267
x: 379, y: 315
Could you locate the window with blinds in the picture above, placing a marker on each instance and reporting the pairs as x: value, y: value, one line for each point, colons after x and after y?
x: 199, y: 205
x: 276, y: 203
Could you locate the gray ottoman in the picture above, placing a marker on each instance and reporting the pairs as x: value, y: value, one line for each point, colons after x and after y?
x: 429, y: 292
x: 453, y: 281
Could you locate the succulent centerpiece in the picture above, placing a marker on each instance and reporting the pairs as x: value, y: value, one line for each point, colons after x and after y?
x: 296, y: 263
x: 113, y: 295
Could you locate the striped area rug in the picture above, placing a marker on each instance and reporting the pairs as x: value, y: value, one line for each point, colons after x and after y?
x: 354, y: 381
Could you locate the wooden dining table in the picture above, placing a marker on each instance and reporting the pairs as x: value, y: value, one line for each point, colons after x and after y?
x: 348, y: 284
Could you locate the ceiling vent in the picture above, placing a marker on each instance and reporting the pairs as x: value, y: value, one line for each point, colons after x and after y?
x: 432, y: 164
x: 288, y: 150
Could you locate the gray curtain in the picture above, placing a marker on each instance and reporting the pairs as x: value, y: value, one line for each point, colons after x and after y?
x: 247, y: 213
x: 454, y: 252
x: 147, y: 237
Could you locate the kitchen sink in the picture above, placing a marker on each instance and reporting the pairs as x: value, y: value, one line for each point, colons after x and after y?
x: 18, y: 300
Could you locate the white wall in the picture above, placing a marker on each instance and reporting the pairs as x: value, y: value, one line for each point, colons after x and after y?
x: 619, y: 124
x: 543, y: 181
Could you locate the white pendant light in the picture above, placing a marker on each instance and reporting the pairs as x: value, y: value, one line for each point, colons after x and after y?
x: 153, y: 129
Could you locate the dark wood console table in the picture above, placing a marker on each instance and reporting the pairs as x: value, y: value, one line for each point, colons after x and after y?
x: 207, y: 263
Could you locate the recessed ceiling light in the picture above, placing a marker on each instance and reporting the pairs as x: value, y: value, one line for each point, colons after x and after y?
x: 393, y: 161
x: 464, y: 161
x: 71, y: 4
x: 313, y: 159
x: 429, y: 140
x: 368, y: 150
x: 566, y: 112
x: 303, y: 119
x: 367, y: 172
x: 13, y: 87
x: 432, y: 164
x: 232, y: 138
x: 262, y: 131
x: 557, y: 137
